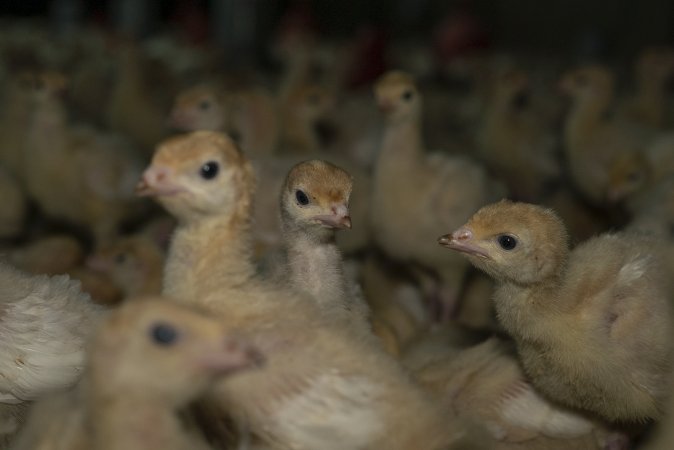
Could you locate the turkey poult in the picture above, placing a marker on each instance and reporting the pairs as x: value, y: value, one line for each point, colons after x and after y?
x: 146, y: 362
x: 592, y: 325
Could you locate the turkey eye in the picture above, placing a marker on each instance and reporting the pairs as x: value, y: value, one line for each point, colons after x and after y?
x: 204, y: 105
x: 507, y: 242
x: 164, y: 334
x: 407, y: 95
x: 209, y: 170
x: 301, y: 197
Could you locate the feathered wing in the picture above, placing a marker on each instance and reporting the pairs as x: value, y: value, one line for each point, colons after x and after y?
x: 44, y: 326
x: 616, y: 298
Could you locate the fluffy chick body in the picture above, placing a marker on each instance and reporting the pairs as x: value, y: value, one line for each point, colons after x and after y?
x: 486, y: 383
x: 45, y: 324
x: 314, y: 204
x: 592, y: 325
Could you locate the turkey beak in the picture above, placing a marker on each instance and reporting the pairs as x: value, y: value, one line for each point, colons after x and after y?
x: 143, y: 189
x: 385, y: 106
x: 339, y: 218
x: 178, y: 120
x: 232, y: 355
x: 460, y: 241
x: 155, y: 183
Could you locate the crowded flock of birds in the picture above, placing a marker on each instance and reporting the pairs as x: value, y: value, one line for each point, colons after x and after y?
x: 195, y: 258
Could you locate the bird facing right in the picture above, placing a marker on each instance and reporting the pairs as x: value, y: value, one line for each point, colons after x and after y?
x: 314, y: 205
x: 592, y: 325
x: 147, y: 360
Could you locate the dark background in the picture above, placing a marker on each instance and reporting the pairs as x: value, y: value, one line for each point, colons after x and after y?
x: 563, y: 26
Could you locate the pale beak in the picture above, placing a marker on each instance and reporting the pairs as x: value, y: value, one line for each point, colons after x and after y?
x: 460, y: 241
x: 97, y: 263
x: 385, y: 106
x: 143, y: 189
x: 616, y: 194
x: 154, y: 183
x: 232, y: 356
x: 339, y: 218
x: 334, y: 221
x: 178, y: 121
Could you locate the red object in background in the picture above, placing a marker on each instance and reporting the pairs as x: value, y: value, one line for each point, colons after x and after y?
x: 298, y: 19
x: 461, y: 32
x: 368, y: 60
x: 191, y: 19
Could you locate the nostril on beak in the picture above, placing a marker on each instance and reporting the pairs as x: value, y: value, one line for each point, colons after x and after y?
x: 156, y: 175
x: 462, y: 235
x: 340, y: 210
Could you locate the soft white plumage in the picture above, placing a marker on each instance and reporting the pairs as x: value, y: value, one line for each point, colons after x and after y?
x: 44, y: 324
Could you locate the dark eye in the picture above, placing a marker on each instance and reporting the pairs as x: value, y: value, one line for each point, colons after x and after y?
x: 204, y: 105
x: 120, y: 258
x: 209, y: 170
x: 164, y: 334
x: 581, y: 80
x: 301, y: 197
x: 408, y: 95
x: 507, y: 242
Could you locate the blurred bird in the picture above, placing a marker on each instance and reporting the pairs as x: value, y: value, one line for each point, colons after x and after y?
x: 514, y: 141
x: 416, y: 195
x: 45, y: 325
x: 51, y: 255
x: 632, y: 175
x: 250, y: 114
x: 161, y: 356
x: 486, y: 383
x: 131, y: 109
x: 76, y: 173
x: 591, y: 140
x: 653, y: 72
x: 135, y: 263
